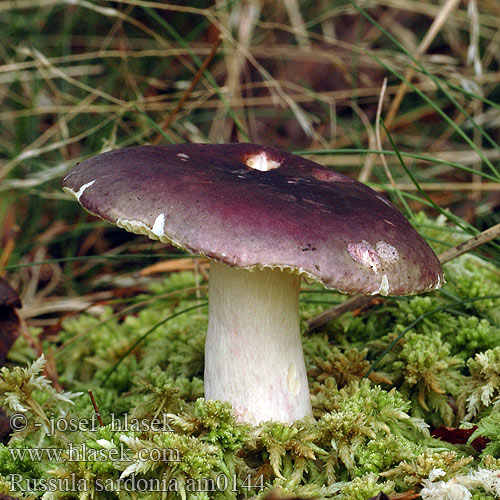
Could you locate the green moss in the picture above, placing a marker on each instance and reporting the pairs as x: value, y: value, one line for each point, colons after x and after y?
x: 489, y: 428
x: 14, y: 461
x: 415, y: 471
x: 477, y: 278
x: 4, y: 486
x: 481, y: 495
x: 365, y: 487
x: 430, y: 374
x: 482, y: 388
x: 367, y: 436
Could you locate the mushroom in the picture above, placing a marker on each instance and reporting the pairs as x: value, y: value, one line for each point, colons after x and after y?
x: 265, y: 217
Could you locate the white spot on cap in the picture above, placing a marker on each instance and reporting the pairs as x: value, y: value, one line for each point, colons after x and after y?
x: 158, y: 226
x: 183, y: 156
x: 292, y: 381
x: 389, y: 222
x: 325, y: 175
x: 437, y: 284
x: 363, y: 253
x: 261, y: 162
x: 387, y: 252
x: 386, y: 201
x: 79, y: 193
x: 384, y: 285
x: 312, y: 202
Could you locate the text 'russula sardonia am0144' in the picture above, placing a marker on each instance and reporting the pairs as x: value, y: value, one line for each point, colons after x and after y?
x: 265, y: 217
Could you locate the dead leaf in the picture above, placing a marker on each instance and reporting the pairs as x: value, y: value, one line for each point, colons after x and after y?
x: 5, y: 428
x: 275, y: 494
x: 8, y: 297
x: 406, y: 495
x: 454, y: 435
x: 380, y: 496
x: 9, y: 320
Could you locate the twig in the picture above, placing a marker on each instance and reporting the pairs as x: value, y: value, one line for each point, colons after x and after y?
x: 166, y: 123
x: 96, y: 409
x: 474, y: 242
x: 360, y: 301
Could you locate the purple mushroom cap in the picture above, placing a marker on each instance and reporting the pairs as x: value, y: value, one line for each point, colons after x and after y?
x: 251, y: 206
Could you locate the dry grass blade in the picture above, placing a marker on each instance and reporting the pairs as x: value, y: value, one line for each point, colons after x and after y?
x: 448, y: 186
x: 70, y: 304
x: 436, y: 26
x: 81, y: 77
x: 174, y: 265
x: 164, y: 126
x: 296, y: 20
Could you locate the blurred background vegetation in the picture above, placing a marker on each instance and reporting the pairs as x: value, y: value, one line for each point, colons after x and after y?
x: 336, y: 80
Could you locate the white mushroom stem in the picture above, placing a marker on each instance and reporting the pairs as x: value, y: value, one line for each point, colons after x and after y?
x: 253, y: 355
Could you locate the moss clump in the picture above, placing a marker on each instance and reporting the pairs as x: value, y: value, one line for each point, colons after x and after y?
x: 368, y: 435
x: 367, y: 486
x: 482, y: 388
